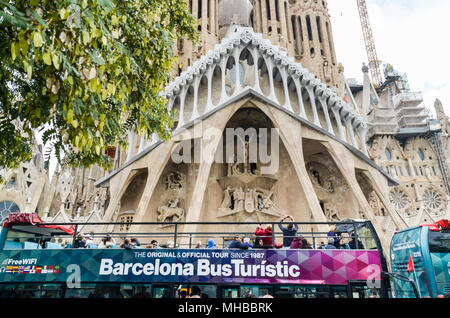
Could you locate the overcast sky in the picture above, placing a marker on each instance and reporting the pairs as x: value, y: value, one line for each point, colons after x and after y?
x: 412, y: 35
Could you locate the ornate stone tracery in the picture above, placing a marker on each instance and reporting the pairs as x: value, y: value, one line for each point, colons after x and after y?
x: 434, y: 202
x: 402, y: 202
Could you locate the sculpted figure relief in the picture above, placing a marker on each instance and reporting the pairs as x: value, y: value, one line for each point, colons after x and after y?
x: 170, y: 212
x: 250, y: 200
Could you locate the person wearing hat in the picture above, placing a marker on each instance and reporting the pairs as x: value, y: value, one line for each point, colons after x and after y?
x: 106, y: 242
x: 89, y: 239
x: 80, y: 241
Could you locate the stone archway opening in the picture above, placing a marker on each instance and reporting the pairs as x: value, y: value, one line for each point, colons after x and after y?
x: 330, y: 186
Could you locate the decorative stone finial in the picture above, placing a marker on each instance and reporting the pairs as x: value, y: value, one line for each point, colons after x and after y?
x: 365, y: 68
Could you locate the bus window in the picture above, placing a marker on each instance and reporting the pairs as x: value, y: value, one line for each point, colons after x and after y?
x: 161, y: 292
x: 439, y: 242
x: 135, y: 291
x: 7, y: 290
x: 303, y: 292
x: 27, y: 291
x: 83, y: 292
x: 230, y: 292
x: 93, y: 291
x: 208, y: 291
x: 257, y: 290
x: 51, y: 291
x: 339, y: 291
x: 360, y: 290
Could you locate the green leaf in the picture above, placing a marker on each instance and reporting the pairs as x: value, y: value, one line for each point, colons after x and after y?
x: 37, y: 16
x: 97, y: 57
x: 28, y: 69
x: 46, y: 57
x: 37, y: 39
x: 13, y: 51
x: 70, y: 116
x: 107, y: 5
x: 55, y: 60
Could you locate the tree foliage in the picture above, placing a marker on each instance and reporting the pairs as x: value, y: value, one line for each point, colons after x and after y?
x: 85, y: 72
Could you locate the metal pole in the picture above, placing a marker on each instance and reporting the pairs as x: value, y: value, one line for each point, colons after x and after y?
x: 175, y: 236
x: 74, y: 235
x: 273, y: 235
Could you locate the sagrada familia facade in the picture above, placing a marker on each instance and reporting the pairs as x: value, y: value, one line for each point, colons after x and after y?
x: 338, y: 148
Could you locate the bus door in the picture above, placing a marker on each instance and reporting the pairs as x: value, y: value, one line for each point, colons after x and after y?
x: 361, y: 290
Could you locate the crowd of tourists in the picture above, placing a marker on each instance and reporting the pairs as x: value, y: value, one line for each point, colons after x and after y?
x: 263, y: 238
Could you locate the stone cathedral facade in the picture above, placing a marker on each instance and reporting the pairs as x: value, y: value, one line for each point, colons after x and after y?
x: 266, y: 71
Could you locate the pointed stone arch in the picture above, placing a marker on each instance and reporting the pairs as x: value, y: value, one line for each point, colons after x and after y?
x: 242, y: 45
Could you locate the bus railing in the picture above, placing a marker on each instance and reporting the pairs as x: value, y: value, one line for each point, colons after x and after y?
x: 174, y: 233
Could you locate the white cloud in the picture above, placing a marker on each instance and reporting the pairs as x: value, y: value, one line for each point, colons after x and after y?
x: 409, y: 34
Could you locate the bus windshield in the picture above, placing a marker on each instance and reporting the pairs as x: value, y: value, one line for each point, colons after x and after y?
x: 439, y: 241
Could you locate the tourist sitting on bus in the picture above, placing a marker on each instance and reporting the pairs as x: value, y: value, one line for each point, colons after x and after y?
x: 211, y: 243
x: 297, y: 243
x: 330, y: 245
x: 182, y: 294
x: 135, y: 242
x: 237, y: 243
x: 89, y: 239
x: 344, y: 243
x: 335, y: 235
x: 106, y: 242
x: 154, y: 244
x: 306, y: 245
x: 356, y: 244
x: 289, y: 232
x: 80, y: 241
x: 196, y: 292
x: 199, y: 245
x: 258, y: 244
x: 246, y: 242
x: 126, y: 244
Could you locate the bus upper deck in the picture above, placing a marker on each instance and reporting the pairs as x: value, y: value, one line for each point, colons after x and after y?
x: 42, y: 259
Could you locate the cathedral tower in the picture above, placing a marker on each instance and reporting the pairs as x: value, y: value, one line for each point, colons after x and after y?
x: 310, y: 39
x: 207, y: 15
x: 300, y: 27
x: 303, y: 29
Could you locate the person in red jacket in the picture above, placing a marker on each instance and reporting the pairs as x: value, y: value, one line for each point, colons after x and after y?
x: 266, y: 235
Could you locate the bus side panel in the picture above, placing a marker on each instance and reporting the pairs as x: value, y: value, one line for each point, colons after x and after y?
x: 441, y: 265
x: 429, y: 272
x: 404, y: 244
x: 3, y: 233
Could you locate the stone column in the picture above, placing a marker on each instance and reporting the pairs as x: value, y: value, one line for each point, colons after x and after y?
x: 131, y: 136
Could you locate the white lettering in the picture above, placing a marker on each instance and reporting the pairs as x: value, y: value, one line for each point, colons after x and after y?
x: 106, y: 267
x: 149, y: 269
x: 135, y: 270
x: 294, y: 271
x: 203, y: 267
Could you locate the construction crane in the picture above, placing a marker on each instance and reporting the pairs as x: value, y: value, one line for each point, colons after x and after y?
x: 374, y: 63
